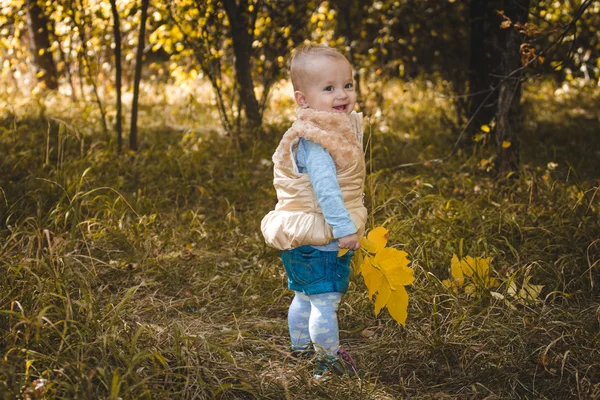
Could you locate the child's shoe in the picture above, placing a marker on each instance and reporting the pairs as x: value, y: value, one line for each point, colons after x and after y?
x: 341, y: 364
x: 302, y: 353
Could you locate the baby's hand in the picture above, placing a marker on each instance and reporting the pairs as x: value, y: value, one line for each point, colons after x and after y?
x: 351, y: 242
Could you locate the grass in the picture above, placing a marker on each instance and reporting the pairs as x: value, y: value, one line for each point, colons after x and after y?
x: 145, y: 275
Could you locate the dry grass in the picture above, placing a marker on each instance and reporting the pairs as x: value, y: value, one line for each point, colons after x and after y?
x: 145, y: 276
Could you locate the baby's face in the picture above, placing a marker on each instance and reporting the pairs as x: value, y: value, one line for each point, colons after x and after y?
x: 327, y: 85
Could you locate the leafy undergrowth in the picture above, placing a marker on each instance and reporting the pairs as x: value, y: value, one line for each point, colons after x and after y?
x: 145, y: 276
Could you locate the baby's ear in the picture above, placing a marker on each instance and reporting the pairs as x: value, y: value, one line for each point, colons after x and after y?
x: 300, y: 99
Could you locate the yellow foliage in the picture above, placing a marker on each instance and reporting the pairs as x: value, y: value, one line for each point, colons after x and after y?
x: 393, y: 263
x: 379, y: 236
x: 383, y: 296
x: 456, y: 270
x: 475, y: 267
x: 398, y: 305
x: 527, y: 292
x: 367, y: 245
x: 477, y: 270
x: 373, y: 276
x: 341, y: 252
x: 385, y: 273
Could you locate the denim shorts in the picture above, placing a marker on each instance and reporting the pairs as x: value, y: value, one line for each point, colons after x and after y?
x: 313, y: 271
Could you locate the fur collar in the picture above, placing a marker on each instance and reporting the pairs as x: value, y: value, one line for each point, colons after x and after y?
x: 327, y: 121
x: 339, y: 133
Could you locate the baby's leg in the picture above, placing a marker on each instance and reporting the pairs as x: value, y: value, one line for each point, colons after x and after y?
x: 298, y: 315
x: 323, y: 323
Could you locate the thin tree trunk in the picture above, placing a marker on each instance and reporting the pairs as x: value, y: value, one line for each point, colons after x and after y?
x: 66, y: 65
x: 138, y: 75
x: 118, y: 68
x: 88, y: 67
x: 508, y: 114
x: 67, y: 69
x: 211, y: 71
x: 40, y: 45
x: 242, y: 46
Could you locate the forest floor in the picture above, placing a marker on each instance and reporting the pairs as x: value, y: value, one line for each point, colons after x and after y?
x: 145, y: 275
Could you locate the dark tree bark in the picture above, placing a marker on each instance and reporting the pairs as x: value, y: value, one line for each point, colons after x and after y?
x: 508, y: 114
x: 239, y: 20
x: 138, y: 75
x: 483, y: 58
x: 118, y: 68
x: 40, y: 45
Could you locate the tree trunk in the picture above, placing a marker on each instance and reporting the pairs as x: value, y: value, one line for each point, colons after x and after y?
x: 508, y: 114
x: 242, y: 47
x: 483, y: 57
x: 40, y: 45
x: 118, y: 68
x: 138, y: 75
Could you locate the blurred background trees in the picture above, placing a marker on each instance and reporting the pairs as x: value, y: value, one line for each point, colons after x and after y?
x: 482, y: 50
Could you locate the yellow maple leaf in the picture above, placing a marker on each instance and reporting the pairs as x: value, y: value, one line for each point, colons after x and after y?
x: 528, y: 291
x: 477, y: 268
x: 393, y: 263
x: 506, y: 144
x: 379, y: 236
x: 367, y: 245
x: 456, y: 275
x: 456, y: 270
x: 372, y: 276
x: 397, y: 305
x: 341, y: 252
x: 383, y: 296
x: 357, y: 258
x: 385, y: 273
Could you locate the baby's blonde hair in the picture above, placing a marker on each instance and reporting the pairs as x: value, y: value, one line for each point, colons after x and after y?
x: 301, y: 56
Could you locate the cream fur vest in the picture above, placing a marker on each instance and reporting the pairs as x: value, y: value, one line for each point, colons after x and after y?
x: 297, y: 219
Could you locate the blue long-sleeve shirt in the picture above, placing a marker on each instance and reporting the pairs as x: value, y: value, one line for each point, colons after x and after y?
x: 313, y: 159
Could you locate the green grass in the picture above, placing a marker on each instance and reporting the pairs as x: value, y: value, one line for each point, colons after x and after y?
x: 145, y: 275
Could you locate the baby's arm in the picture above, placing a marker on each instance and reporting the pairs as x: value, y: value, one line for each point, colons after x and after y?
x: 317, y: 162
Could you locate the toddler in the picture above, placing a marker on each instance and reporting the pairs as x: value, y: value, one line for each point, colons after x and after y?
x: 319, y: 172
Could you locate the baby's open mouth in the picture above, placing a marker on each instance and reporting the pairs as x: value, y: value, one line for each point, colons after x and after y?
x: 341, y: 108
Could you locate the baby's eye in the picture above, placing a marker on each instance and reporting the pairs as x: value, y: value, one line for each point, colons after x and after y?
x: 329, y: 88
x: 349, y: 86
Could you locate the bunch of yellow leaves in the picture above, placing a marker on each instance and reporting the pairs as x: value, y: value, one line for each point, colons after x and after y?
x: 476, y: 270
x: 386, y: 272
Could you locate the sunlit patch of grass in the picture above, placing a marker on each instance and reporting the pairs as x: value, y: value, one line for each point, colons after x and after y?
x: 145, y: 276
